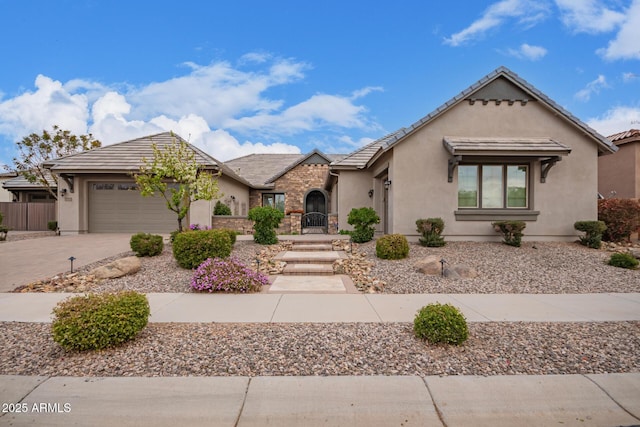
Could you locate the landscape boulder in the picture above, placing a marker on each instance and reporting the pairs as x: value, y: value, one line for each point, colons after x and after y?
x: 462, y: 271
x: 117, y: 268
x: 429, y: 265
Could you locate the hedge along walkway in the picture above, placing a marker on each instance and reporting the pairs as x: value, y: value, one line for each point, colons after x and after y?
x: 309, y: 269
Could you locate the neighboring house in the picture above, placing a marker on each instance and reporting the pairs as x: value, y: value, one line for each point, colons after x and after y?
x: 500, y: 150
x: 6, y: 195
x: 619, y: 175
x: 97, y: 191
x: 24, y: 191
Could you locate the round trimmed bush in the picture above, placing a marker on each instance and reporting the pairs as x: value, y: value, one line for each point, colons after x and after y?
x: 441, y: 323
x: 192, y: 248
x: 624, y: 260
x: 96, y: 321
x: 392, y: 246
x: 144, y: 244
x: 227, y: 275
x: 221, y: 209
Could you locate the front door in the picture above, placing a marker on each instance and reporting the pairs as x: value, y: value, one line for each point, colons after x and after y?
x: 315, y: 212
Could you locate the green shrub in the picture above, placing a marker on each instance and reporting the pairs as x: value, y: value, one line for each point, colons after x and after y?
x: 593, y: 232
x: 233, y: 234
x: 191, y: 248
x: 362, y: 220
x: 144, y: 244
x: 511, y: 231
x: 96, y: 321
x: 621, y: 216
x: 624, y: 260
x: 52, y: 225
x: 441, y: 323
x: 431, y: 230
x: 392, y: 246
x: 266, y: 221
x: 221, y: 209
x: 173, y: 234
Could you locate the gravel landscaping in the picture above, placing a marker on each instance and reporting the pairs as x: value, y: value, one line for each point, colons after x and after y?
x: 550, y: 268
x: 362, y: 349
x: 330, y: 349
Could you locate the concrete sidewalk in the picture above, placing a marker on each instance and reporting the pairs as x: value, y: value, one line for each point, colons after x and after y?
x: 335, y: 308
x: 519, y: 400
x: 25, y: 261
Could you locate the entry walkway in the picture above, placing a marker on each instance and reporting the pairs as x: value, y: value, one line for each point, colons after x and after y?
x: 334, y: 308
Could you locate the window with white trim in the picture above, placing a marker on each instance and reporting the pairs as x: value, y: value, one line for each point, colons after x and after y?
x: 493, y: 186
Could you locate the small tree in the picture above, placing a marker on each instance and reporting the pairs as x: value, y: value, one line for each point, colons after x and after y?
x: 175, y: 175
x: 267, y: 219
x: 362, y: 220
x: 37, y: 149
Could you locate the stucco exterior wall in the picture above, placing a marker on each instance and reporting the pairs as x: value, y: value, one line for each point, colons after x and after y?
x: 420, y: 188
x: 354, y: 188
x: 620, y: 172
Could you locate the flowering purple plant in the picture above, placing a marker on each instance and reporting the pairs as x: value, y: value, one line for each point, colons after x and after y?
x: 193, y: 227
x: 227, y: 275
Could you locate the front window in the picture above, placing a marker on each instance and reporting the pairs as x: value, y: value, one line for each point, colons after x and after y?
x: 275, y: 200
x: 492, y: 186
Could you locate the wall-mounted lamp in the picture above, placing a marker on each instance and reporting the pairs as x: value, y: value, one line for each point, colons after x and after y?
x: 63, y: 192
x: 371, y: 193
x: 233, y: 198
x: 387, y: 184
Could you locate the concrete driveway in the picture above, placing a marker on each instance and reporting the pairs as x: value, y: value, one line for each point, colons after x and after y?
x: 25, y: 261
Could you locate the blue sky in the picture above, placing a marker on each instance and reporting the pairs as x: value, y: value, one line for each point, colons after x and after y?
x: 237, y: 77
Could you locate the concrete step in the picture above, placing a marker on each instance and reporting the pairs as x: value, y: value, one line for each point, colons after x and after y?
x: 310, y: 247
x: 308, y: 270
x: 308, y: 257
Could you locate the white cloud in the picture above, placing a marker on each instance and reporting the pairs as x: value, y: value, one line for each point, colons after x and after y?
x: 529, y: 52
x: 319, y: 111
x: 617, y: 119
x: 50, y: 104
x: 629, y: 77
x: 223, y: 146
x: 592, y: 87
x: 626, y: 45
x: 204, y: 105
x: 588, y: 16
x: 527, y: 13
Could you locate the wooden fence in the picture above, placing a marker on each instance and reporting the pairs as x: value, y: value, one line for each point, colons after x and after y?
x: 27, y: 216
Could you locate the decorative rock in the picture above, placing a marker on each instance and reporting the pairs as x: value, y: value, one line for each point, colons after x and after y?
x: 463, y: 271
x: 118, y: 268
x: 429, y: 265
x: 635, y: 253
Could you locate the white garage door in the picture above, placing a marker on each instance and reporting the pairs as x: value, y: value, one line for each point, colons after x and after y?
x: 118, y: 207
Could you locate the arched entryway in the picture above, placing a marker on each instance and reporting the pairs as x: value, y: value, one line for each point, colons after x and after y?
x: 314, y: 219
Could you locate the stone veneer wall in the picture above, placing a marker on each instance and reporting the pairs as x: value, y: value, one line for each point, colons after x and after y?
x: 238, y: 223
x: 295, y: 184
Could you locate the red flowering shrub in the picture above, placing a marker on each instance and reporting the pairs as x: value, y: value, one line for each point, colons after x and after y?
x: 622, y: 217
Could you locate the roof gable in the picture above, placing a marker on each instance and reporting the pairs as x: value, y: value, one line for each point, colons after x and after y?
x: 128, y: 157
x: 500, y: 85
x: 631, y: 135
x: 316, y: 157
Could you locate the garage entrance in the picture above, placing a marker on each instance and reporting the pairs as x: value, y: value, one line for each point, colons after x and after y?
x: 118, y: 207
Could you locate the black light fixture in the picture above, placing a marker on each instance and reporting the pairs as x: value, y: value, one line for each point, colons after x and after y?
x: 442, y: 262
x: 72, y: 258
x: 371, y: 193
x: 63, y: 192
x: 387, y: 184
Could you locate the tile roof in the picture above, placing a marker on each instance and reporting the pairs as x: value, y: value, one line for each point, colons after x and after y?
x: 262, y: 169
x: 258, y: 168
x: 361, y: 157
x: 618, y: 137
x: 127, y: 157
x: 21, y: 183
